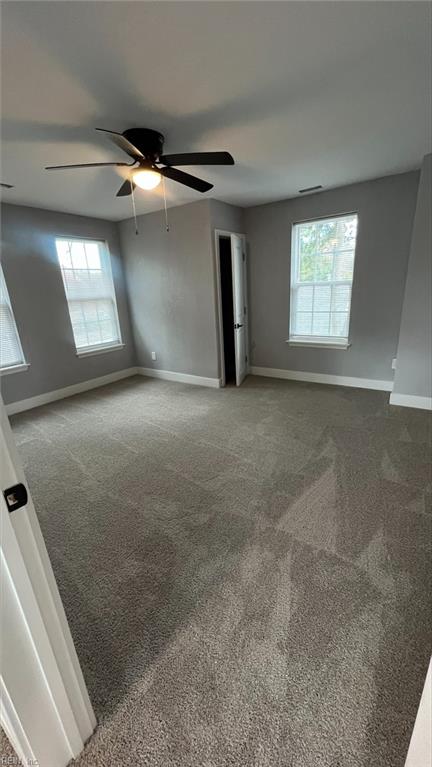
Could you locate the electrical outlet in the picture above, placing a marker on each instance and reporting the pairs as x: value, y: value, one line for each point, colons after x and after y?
x: 394, y: 362
x: 154, y: 356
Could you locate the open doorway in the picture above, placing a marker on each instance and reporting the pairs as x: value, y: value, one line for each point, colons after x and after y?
x: 232, y: 306
x: 227, y: 306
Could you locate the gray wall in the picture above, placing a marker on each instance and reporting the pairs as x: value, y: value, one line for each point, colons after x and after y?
x: 170, y: 277
x: 386, y: 209
x: 227, y: 217
x: 37, y: 295
x: 171, y: 287
x: 414, y: 361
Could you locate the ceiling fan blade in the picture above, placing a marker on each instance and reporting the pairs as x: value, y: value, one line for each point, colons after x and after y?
x: 90, y: 165
x: 185, y: 178
x: 123, y: 143
x: 7, y: 186
x: 198, y: 158
x: 126, y: 188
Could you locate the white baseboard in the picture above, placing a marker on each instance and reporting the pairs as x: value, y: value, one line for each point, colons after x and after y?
x: 323, y: 378
x: 215, y: 383
x: 411, y: 400
x: 169, y: 375
x: 68, y: 391
x: 94, y: 383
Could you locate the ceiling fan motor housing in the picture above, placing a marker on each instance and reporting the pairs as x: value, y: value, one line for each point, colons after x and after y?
x: 149, y: 142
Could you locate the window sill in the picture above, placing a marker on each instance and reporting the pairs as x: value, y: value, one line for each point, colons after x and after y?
x: 14, y: 369
x: 91, y: 350
x: 319, y: 344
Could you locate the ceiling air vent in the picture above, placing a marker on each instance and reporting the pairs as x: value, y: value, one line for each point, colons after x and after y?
x: 310, y: 189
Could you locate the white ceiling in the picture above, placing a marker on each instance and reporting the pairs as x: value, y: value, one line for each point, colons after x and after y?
x: 300, y: 93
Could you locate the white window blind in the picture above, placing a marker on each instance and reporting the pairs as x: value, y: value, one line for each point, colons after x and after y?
x: 89, y: 288
x: 11, y: 353
x: 322, y: 269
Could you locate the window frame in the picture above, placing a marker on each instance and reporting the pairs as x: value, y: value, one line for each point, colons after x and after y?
x: 329, y: 342
x: 105, y: 256
x: 23, y: 364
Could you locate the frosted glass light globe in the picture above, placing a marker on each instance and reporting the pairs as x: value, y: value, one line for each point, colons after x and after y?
x: 147, y: 179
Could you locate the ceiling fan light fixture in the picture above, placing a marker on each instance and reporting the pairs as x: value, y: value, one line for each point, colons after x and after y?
x: 147, y: 179
x: 145, y: 148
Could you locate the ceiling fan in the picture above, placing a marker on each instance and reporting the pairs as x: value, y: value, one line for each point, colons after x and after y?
x: 7, y: 186
x: 145, y: 147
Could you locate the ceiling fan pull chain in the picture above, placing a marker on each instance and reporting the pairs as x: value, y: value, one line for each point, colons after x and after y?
x: 133, y: 206
x: 165, y: 205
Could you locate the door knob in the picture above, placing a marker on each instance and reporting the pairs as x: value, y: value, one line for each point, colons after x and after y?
x: 237, y: 326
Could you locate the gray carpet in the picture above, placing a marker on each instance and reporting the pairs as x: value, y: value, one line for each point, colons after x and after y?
x: 246, y: 572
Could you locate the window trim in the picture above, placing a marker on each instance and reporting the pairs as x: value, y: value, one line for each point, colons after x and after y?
x: 89, y: 351
x: 339, y: 343
x: 20, y: 368
x: 86, y: 351
x: 320, y: 342
x: 23, y: 364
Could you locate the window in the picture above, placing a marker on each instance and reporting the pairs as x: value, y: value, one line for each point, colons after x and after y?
x: 11, y: 353
x: 322, y: 268
x: 89, y: 288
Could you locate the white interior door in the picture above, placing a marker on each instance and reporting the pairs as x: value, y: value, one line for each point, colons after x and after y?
x: 420, y: 749
x: 44, y: 705
x: 238, y: 259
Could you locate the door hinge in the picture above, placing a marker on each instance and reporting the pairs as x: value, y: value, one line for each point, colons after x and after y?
x: 15, y: 497
x: 244, y: 256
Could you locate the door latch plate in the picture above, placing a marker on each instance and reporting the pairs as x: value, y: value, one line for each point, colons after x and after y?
x: 15, y: 496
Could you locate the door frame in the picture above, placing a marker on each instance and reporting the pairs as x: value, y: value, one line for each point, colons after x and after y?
x: 217, y: 234
x: 50, y: 726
